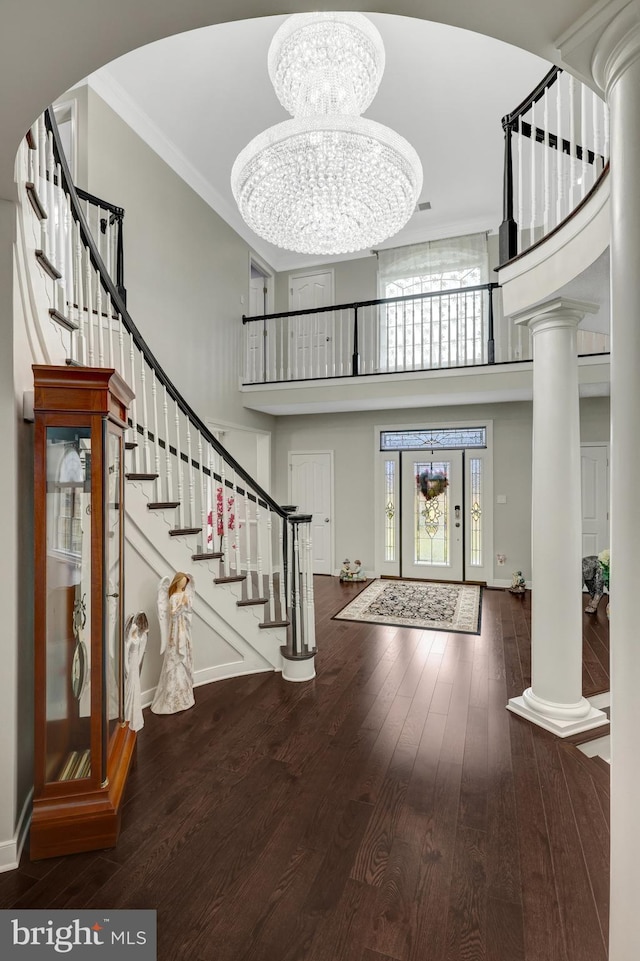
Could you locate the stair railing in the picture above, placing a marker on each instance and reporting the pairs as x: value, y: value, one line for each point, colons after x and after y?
x: 235, y: 521
x: 444, y: 328
x: 556, y: 150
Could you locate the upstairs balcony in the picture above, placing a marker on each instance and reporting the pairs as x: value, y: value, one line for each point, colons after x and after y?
x: 455, y: 343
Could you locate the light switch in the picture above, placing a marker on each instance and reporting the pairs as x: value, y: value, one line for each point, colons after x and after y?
x: 501, y: 498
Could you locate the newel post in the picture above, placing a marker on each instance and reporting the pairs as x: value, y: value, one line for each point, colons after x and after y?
x: 298, y: 654
x: 508, y: 233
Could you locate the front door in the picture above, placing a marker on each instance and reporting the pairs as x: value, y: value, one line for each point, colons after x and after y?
x: 594, y: 469
x: 311, y: 490
x: 432, y: 515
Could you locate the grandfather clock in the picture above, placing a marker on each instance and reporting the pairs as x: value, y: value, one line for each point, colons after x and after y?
x: 83, y: 747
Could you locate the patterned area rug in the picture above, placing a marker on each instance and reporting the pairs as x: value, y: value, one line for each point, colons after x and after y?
x: 436, y: 607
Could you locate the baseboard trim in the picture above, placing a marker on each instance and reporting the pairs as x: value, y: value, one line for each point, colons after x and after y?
x: 11, y: 851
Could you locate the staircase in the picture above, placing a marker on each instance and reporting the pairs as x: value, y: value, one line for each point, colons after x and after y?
x: 190, y: 505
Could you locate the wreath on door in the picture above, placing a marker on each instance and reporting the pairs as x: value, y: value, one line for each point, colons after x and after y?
x: 431, y: 483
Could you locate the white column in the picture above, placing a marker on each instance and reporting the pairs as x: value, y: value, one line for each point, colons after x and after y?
x: 616, y: 68
x: 554, y: 701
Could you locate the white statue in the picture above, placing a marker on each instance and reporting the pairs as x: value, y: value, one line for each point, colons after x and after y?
x: 175, y: 604
x: 135, y: 642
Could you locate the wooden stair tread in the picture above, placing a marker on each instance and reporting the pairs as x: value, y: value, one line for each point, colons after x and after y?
x: 59, y: 318
x: 47, y: 266
x: 585, y: 736
x: 274, y: 624
x: 129, y: 445
x: 250, y: 601
x: 177, y: 531
x: 141, y: 476
x: 214, y: 556
x: 36, y: 203
x: 162, y: 505
x: 230, y: 580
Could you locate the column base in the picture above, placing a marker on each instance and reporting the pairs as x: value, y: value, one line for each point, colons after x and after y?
x: 561, y: 719
x: 301, y: 668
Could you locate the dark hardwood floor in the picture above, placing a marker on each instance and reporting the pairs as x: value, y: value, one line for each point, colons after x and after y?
x: 390, y: 810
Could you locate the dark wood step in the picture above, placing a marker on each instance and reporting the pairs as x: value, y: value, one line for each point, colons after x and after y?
x: 162, y: 505
x: 585, y: 736
x: 252, y: 601
x: 129, y: 445
x: 36, y: 203
x: 177, y: 531
x: 274, y: 624
x: 47, y: 266
x: 234, y: 579
x: 213, y: 556
x: 141, y: 476
x: 59, y: 318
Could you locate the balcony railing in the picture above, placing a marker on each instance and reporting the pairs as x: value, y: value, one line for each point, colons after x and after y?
x: 556, y: 149
x: 443, y: 329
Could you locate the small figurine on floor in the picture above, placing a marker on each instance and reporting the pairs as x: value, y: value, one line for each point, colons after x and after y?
x: 175, y: 605
x: 351, y: 571
x: 136, y: 630
x: 517, y: 583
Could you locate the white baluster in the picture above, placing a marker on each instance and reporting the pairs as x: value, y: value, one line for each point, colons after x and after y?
x: 584, y: 141
x: 145, y: 415
x: 221, y: 510
x: 89, y: 304
x: 597, y: 143
x: 179, y: 468
x: 240, y: 519
x: 61, y: 243
x: 606, y: 134
x: 559, y: 156
x: 78, y: 298
x: 260, y: 591
x: 191, y: 476
x: 532, y: 218
x: 99, y: 316
x: 281, y: 532
x: 51, y: 201
x: 109, y: 321
x: 520, y: 141
x: 547, y: 165
x: 167, y: 446
x: 209, y: 501
x: 203, y: 495
x: 121, y: 369
x: 271, y: 609
x: 134, y: 408
x: 572, y: 142
x: 41, y: 182
x: 248, y: 525
x: 156, y: 439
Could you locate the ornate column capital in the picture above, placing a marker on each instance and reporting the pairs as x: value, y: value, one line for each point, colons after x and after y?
x: 554, y: 313
x: 600, y: 46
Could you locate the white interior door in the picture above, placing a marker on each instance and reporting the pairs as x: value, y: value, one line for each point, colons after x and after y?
x: 594, y: 469
x: 311, y: 490
x: 311, y: 334
x: 432, y: 529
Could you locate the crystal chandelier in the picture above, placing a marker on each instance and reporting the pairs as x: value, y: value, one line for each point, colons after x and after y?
x: 329, y: 181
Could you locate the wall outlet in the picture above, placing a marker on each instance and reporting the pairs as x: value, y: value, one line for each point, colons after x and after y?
x: 502, y: 559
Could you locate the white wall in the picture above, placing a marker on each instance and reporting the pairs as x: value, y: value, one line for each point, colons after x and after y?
x: 351, y: 437
x: 185, y: 268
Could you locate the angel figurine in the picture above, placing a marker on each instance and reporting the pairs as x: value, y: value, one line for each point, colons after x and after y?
x: 175, y: 605
x: 136, y: 630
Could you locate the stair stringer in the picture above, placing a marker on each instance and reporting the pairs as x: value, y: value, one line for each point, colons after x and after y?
x: 228, y: 640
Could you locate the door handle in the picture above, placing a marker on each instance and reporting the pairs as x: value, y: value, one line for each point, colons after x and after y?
x: 457, y: 514
x: 326, y: 520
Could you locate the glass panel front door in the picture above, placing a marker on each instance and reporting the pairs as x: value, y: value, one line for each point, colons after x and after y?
x: 432, y: 515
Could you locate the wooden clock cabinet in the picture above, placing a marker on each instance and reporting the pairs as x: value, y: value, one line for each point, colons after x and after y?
x: 83, y: 748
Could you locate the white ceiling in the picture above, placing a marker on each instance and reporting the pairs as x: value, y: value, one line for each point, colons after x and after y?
x: 199, y: 97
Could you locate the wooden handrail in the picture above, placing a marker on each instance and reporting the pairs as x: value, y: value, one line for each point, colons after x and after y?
x: 138, y: 339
